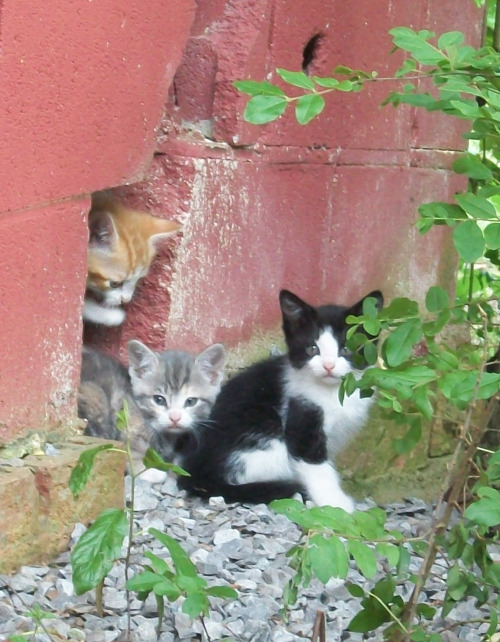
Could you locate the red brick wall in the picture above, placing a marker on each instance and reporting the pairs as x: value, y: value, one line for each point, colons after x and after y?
x: 82, y: 89
x: 327, y: 210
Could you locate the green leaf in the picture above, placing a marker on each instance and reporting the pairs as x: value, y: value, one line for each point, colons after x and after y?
x: 123, y: 417
x: 394, y: 379
x: 390, y: 551
x: 308, y: 107
x: 264, y: 109
x: 364, y: 558
x: 485, y: 511
x: 167, y: 588
x: 476, y: 206
x: 182, y: 563
x: 399, y: 344
x: 326, y: 82
x: 426, y: 611
x: 398, y: 308
x: 97, y: 549
x: 322, y: 554
x: 472, y: 167
x: 450, y: 38
x: 254, y: 88
x: 225, y: 592
x: 196, y: 604
x: 436, y: 299
x: 294, y: 510
x: 355, y: 590
x: 296, y: 78
x: 440, y: 213
x: 416, y: 43
x: 153, y: 459
x: 81, y: 472
x: 456, y: 582
x: 159, y: 565
x: 492, y: 236
x: 469, y: 241
x: 367, y: 620
x: 144, y: 581
x: 464, y: 386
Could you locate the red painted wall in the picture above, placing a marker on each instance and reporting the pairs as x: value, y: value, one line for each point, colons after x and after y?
x: 82, y: 89
x: 327, y: 210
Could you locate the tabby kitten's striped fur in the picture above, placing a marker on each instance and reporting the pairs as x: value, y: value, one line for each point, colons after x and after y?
x: 122, y: 246
x: 167, y: 394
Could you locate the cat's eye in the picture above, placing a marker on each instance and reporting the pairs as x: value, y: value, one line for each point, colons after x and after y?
x: 190, y: 402
x: 115, y: 284
x: 312, y: 351
x: 345, y: 352
x: 159, y: 400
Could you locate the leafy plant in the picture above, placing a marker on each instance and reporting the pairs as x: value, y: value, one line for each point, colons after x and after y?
x: 100, y: 546
x: 419, y: 362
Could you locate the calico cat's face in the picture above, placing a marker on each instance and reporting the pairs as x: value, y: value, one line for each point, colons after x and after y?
x: 175, y: 389
x: 122, y: 245
x: 316, y: 337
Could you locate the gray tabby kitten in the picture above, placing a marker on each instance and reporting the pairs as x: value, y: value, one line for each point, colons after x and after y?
x: 167, y: 393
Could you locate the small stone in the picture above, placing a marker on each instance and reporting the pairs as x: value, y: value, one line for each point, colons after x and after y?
x: 226, y: 535
x: 76, y: 634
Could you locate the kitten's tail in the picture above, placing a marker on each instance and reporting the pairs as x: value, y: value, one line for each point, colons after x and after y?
x: 252, y: 493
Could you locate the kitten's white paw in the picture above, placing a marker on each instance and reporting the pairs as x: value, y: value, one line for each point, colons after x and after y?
x: 153, y: 476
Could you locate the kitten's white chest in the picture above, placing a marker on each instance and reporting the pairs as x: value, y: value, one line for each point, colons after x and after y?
x: 340, y: 421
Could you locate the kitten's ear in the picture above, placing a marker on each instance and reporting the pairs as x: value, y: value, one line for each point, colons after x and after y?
x: 102, y: 230
x: 292, y: 307
x: 141, y: 360
x: 357, y: 309
x: 212, y: 362
x: 163, y: 229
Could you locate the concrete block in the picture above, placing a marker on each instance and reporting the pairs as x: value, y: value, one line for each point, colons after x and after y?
x: 37, y: 509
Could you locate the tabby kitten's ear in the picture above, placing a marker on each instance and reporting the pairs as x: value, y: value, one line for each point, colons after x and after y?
x: 357, y: 309
x: 142, y: 360
x: 211, y: 363
x: 102, y: 231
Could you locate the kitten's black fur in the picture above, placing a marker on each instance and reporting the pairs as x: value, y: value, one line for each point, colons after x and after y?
x: 275, y: 426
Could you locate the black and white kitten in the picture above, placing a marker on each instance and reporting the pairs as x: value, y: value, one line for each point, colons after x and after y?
x: 276, y: 425
x: 167, y: 394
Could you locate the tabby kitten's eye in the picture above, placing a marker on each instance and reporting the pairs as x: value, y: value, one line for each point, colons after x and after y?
x: 159, y: 400
x: 115, y: 284
x: 312, y: 351
x: 190, y: 402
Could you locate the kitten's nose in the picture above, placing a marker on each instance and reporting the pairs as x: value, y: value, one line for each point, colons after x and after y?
x: 329, y: 366
x: 174, y: 416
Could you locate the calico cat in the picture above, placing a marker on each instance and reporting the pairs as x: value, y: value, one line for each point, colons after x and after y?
x: 275, y: 426
x: 166, y: 392
x: 122, y: 246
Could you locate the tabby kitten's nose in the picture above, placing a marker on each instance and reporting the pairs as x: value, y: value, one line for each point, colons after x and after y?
x: 174, y: 416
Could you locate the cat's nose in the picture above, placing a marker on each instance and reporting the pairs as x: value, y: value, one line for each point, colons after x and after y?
x: 329, y: 366
x: 174, y: 416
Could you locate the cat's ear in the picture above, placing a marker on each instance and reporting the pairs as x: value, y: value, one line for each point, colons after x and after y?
x: 142, y: 361
x: 212, y: 362
x: 292, y: 307
x: 163, y: 229
x: 357, y: 309
x: 102, y: 230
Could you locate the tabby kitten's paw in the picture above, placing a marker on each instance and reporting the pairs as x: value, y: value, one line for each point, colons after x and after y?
x: 153, y: 476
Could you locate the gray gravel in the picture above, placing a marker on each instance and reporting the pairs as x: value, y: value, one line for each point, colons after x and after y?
x: 241, y: 546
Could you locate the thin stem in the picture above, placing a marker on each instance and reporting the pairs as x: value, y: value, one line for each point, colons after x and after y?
x: 496, y: 28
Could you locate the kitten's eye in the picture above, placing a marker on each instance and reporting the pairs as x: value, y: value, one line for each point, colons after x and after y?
x: 159, y: 400
x: 190, y: 402
x: 312, y: 351
x: 115, y: 284
x: 345, y: 352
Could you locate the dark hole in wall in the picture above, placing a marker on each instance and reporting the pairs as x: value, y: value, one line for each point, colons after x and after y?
x: 310, y: 54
